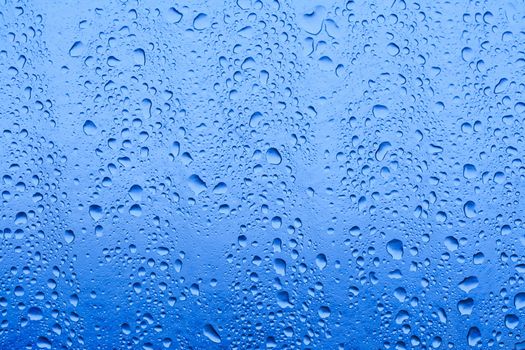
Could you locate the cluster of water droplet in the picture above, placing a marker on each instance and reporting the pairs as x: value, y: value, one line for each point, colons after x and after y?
x: 262, y: 174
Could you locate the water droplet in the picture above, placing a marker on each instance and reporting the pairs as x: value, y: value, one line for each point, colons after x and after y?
x: 395, y: 249
x: 96, y: 212
x: 320, y: 261
x: 519, y: 300
x: 382, y: 150
x: 511, y: 321
x: 135, y: 210
x: 380, y: 111
x: 135, y: 193
x: 69, y: 236
x: 473, y: 336
x: 21, y: 218
x: 89, y: 128
x: 211, y: 333
x: 469, y: 284
x: 35, y: 313
x: 469, y: 171
x: 392, y: 49
x: 196, y: 184
x: 324, y: 312
x: 273, y: 156
x: 469, y: 209
x: 173, y: 15
x: 77, y: 49
x: 139, y: 57
x: 201, y: 21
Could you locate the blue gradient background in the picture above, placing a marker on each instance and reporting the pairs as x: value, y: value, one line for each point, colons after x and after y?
x: 262, y: 174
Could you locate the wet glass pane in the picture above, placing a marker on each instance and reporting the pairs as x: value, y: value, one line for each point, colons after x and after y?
x: 262, y: 174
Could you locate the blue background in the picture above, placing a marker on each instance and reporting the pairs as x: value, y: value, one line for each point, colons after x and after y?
x: 262, y: 174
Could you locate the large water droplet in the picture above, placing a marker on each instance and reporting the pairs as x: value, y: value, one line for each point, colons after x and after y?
x: 89, y: 128
x: 273, y: 156
x: 211, y: 333
x: 469, y: 209
x: 395, y: 249
x: 201, y: 21
x: 196, y: 184
x: 96, y: 212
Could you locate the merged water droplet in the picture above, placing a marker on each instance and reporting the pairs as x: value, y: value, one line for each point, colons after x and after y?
x: 196, y: 184
x: 395, y: 248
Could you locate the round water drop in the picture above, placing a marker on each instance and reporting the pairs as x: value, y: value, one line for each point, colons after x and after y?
x: 210, y: 333
x: 125, y: 328
x: 279, y: 265
x: 273, y: 156
x: 441, y: 217
x: 255, y: 119
x: 467, y: 54
x: 135, y: 210
x: 21, y: 218
x: 469, y: 209
x: 519, y: 107
x: 511, y: 321
x: 248, y: 64
x: 326, y: 63
x: 355, y: 231
x: 312, y: 22
x: 163, y: 251
x: 320, y: 261
x: 505, y: 230
x: 380, y: 111
x: 43, y: 343
x: 96, y: 212
x: 35, y: 313
x: 469, y: 171
x: 69, y: 236
x: 201, y: 21
x: 392, y: 49
x: 135, y: 193
x: 220, y: 188
x: 324, y: 312
x: 395, y: 249
x: 19, y: 291
x: 276, y: 222
x: 519, y: 301
x: 173, y: 15
x: 89, y: 128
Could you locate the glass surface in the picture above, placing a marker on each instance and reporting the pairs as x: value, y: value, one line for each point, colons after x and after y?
x: 262, y: 174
